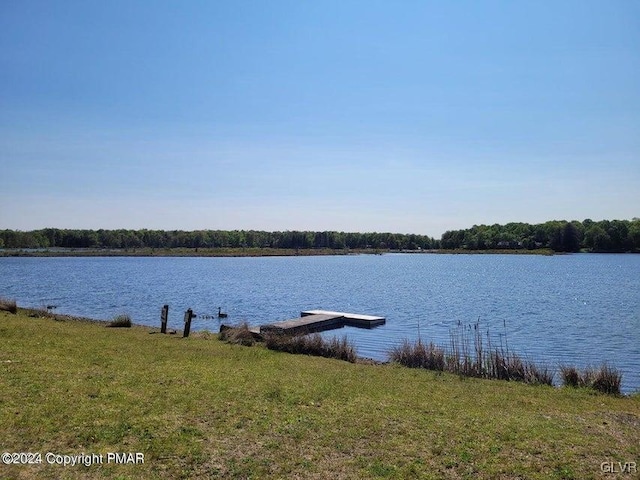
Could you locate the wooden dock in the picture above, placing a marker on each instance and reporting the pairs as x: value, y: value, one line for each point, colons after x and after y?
x: 350, y: 319
x: 312, y: 321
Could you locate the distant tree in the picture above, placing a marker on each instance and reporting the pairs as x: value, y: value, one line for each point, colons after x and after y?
x: 555, y: 236
x: 451, y: 239
x: 615, y: 235
x: 130, y: 239
x: 337, y: 240
x: 53, y: 236
x: 597, y: 239
x: 633, y: 235
x: 618, y: 231
x: 570, y: 238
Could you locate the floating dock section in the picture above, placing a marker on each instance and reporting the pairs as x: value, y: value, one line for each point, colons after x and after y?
x: 312, y: 321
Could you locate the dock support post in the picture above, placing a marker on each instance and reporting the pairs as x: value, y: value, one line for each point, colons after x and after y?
x: 188, y: 315
x: 164, y: 316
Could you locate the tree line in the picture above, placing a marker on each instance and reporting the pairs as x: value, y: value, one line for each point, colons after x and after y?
x: 125, y: 239
x: 560, y: 236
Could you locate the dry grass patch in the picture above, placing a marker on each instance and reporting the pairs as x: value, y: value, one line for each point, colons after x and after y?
x: 240, y: 335
x: 8, y: 305
x: 121, y: 321
x: 314, y: 344
x: 605, y: 379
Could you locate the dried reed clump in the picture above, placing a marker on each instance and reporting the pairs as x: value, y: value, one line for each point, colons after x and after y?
x: 572, y: 377
x: 539, y: 375
x: 604, y: 379
x: 120, y: 321
x: 469, y: 356
x: 608, y: 380
x: 8, y: 305
x: 419, y: 355
x: 314, y: 344
x: 240, y: 335
x: 205, y: 335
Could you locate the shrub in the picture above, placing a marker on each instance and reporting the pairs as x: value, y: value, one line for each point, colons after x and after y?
x: 8, y: 305
x: 121, y: 321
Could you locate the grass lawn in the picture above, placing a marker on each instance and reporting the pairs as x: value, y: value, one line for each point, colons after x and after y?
x: 200, y: 408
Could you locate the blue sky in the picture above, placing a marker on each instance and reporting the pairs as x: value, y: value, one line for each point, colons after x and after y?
x: 410, y: 116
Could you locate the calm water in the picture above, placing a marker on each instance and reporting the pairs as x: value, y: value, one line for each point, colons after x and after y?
x: 575, y: 309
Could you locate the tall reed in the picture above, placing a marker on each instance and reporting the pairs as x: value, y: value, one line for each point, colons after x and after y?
x: 469, y: 355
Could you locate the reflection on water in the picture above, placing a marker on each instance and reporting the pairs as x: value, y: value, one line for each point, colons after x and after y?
x: 578, y: 309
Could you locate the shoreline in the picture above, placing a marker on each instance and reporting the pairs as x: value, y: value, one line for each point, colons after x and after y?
x: 63, y: 317
x: 253, y: 252
x: 73, y: 387
x: 43, y: 313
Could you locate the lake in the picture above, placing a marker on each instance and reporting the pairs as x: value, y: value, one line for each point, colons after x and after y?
x: 581, y: 309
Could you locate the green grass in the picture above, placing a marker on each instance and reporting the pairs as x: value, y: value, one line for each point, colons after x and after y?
x: 201, y: 408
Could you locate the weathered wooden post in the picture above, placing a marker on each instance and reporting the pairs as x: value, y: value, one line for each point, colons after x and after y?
x: 164, y: 316
x: 188, y: 315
